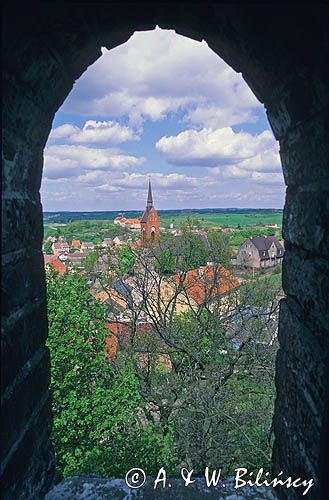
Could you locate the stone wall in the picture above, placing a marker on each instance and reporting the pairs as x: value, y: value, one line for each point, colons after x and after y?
x: 282, y: 53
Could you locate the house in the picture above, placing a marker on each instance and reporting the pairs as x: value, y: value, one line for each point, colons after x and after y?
x: 260, y: 252
x: 60, y: 247
x: 143, y: 337
x: 133, y: 224
x: 63, y: 256
x: 117, y: 241
x: 116, y: 302
x: 87, y: 245
x: 76, y: 244
x: 107, y: 242
x: 204, y: 285
x: 48, y: 258
x: 76, y: 257
x: 119, y: 220
x: 57, y: 265
x: 210, y: 284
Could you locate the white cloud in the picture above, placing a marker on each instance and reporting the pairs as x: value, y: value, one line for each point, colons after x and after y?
x: 219, y: 147
x: 74, y: 160
x: 63, y: 131
x: 94, y: 132
x: 159, y: 72
x: 155, y: 76
x: 137, y: 181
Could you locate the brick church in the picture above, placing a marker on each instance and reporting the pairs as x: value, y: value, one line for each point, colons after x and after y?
x: 150, y: 221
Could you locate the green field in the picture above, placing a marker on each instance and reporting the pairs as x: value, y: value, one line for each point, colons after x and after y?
x: 85, y: 230
x: 91, y: 226
x: 226, y: 219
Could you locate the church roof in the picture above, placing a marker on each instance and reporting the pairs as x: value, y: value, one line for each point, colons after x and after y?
x: 149, y: 196
x: 145, y: 215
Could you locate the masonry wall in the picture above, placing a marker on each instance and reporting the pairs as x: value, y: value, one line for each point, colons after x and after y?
x: 282, y: 53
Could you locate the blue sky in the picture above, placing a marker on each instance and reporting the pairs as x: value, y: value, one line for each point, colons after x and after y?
x: 166, y: 106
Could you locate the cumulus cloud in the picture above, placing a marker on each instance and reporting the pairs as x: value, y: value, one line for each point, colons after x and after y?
x: 94, y: 132
x: 215, y: 147
x: 137, y: 181
x: 73, y: 160
x: 158, y: 75
x: 159, y: 72
x: 63, y: 131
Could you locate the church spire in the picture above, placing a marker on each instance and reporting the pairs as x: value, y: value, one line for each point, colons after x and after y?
x: 149, y: 196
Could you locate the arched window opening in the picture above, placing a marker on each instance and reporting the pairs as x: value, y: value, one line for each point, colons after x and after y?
x: 190, y: 321
x: 47, y: 47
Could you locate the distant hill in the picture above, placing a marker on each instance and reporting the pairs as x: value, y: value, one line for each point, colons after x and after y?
x: 65, y: 217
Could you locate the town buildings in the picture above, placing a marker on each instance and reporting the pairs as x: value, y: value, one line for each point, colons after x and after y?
x: 260, y: 252
x: 60, y: 247
x: 132, y: 224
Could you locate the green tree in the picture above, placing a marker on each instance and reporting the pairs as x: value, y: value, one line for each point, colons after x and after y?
x: 126, y: 260
x: 165, y: 262
x: 96, y: 408
x: 90, y: 261
x: 47, y: 247
x: 193, y: 250
x: 219, y: 248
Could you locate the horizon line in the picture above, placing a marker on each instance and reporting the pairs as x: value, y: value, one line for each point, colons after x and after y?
x: 163, y: 209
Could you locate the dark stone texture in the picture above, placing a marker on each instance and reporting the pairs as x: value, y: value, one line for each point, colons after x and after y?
x: 21, y: 338
x: 30, y: 387
x: 15, y: 235
x: 302, y: 386
x: 305, y: 219
x: 31, y: 462
x: 282, y: 53
x: 29, y: 277
x: 305, y: 150
x: 306, y: 279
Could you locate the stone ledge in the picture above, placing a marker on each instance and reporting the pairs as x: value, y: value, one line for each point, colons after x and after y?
x: 91, y: 487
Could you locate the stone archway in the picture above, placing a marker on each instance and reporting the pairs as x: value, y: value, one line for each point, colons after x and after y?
x: 282, y: 53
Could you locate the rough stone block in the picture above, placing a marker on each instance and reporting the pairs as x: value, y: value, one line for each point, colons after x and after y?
x: 307, y: 279
x: 306, y: 221
x: 23, y: 283
x: 304, y: 152
x: 303, y: 96
x: 28, y: 390
x: 30, y: 470
x: 23, y: 334
x: 301, y: 381
x: 22, y: 224
x: 22, y: 175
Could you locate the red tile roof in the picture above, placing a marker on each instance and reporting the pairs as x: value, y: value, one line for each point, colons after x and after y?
x: 121, y: 330
x: 111, y: 344
x: 207, y: 281
x: 102, y: 296
x: 58, y: 266
x: 132, y: 221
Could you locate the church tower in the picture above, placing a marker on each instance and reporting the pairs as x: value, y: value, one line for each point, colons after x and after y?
x: 150, y: 221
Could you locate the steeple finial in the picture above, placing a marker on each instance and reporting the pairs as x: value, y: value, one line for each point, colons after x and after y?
x: 149, y: 196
